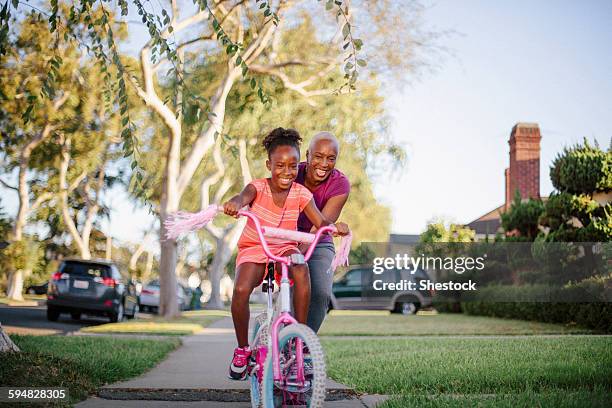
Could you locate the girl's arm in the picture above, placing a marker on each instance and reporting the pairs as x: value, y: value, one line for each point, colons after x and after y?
x: 319, y: 220
x: 246, y: 196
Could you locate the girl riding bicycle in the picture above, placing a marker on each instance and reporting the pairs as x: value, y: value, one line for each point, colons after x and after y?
x: 278, y: 202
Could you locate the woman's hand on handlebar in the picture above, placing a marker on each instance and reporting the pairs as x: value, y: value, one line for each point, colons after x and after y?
x: 341, y: 229
x: 232, y: 206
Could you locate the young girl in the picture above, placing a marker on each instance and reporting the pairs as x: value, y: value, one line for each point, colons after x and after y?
x: 278, y: 202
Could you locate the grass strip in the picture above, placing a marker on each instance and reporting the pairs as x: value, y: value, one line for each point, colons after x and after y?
x: 190, y: 322
x: 418, y: 368
x: 81, y: 364
x: 597, y: 398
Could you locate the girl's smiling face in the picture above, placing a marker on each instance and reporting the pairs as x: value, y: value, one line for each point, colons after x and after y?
x: 283, y: 165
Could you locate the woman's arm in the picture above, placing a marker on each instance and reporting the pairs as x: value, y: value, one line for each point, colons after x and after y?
x: 246, y: 196
x: 319, y: 220
x: 333, y: 207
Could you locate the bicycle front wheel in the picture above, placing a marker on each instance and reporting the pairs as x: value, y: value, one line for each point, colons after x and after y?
x: 288, y: 391
x: 258, y: 338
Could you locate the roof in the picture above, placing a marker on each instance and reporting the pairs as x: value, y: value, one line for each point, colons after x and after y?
x: 404, y: 239
x: 488, y: 223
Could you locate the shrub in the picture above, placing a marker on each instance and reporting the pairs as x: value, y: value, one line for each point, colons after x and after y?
x: 547, y: 303
x: 582, y: 169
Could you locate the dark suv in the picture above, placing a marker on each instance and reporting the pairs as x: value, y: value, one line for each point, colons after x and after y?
x: 92, y: 287
x: 355, y: 290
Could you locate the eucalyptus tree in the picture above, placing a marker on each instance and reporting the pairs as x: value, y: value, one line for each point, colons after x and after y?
x: 358, y: 119
x: 248, y: 33
x: 21, y: 68
x: 59, y: 145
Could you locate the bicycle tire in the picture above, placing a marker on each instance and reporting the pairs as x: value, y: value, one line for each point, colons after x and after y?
x: 260, y: 330
x: 310, y: 339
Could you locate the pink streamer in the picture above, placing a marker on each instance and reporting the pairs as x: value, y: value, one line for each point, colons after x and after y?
x: 342, y: 255
x: 183, y: 222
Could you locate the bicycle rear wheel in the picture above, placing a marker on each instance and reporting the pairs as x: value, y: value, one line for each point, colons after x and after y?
x: 288, y: 392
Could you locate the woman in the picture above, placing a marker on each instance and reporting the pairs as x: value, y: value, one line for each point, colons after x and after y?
x: 330, y: 189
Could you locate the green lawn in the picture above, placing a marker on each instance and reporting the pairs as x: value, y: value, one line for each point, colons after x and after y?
x: 81, y: 364
x: 440, y: 372
x: 379, y: 323
x: 190, y: 322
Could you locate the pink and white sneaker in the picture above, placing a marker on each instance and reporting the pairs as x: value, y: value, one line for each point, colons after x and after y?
x: 240, y: 362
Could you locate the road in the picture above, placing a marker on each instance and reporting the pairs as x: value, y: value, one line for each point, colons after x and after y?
x: 33, y: 320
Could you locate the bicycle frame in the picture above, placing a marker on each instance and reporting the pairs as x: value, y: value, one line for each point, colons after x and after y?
x: 285, y: 298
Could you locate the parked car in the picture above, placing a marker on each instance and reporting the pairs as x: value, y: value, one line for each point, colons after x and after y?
x: 354, y: 290
x: 149, y: 297
x: 38, y: 289
x: 93, y: 287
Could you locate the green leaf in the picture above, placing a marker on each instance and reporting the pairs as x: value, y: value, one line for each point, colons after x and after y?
x: 362, y: 63
x: 329, y: 5
x: 346, y: 30
x: 253, y: 83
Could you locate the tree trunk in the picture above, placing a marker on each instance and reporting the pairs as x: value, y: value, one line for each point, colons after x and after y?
x: 223, y: 253
x: 6, y: 344
x: 168, y: 306
x: 15, y: 285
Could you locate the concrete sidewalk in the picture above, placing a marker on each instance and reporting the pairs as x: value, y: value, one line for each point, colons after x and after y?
x: 195, y: 375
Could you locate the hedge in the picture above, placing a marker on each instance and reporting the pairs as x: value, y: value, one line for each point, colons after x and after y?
x: 543, y: 303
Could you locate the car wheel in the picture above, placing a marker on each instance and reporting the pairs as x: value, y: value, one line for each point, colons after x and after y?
x: 75, y: 315
x: 52, y: 314
x: 406, y: 308
x: 117, y: 316
x: 31, y: 291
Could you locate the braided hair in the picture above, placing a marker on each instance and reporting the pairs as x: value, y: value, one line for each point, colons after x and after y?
x: 282, y: 137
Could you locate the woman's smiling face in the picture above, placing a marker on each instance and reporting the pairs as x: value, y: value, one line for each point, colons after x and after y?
x: 283, y: 165
x: 321, y: 159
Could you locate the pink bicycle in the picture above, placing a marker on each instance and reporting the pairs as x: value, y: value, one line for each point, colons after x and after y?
x: 277, y: 371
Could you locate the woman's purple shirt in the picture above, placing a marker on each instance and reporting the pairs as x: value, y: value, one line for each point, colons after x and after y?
x: 336, y: 184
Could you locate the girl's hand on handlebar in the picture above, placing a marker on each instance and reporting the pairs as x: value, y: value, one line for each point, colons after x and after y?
x: 231, y: 207
x: 341, y: 229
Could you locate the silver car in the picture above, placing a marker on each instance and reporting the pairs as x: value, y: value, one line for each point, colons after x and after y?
x: 149, y: 297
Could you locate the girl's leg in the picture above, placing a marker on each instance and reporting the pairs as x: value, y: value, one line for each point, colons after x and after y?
x: 301, y: 288
x: 248, y: 276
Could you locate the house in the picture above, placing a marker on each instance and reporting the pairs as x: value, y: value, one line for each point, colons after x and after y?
x: 523, y: 175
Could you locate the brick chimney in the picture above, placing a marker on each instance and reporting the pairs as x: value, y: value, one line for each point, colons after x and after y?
x: 524, y: 171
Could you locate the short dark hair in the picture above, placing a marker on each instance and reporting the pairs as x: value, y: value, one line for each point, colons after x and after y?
x: 281, y: 137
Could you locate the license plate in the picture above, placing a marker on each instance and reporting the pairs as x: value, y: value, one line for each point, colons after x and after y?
x: 80, y: 284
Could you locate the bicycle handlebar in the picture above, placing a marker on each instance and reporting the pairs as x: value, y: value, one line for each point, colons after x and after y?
x: 261, y: 232
x: 183, y: 222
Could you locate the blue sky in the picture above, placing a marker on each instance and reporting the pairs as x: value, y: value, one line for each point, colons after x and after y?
x: 548, y: 62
